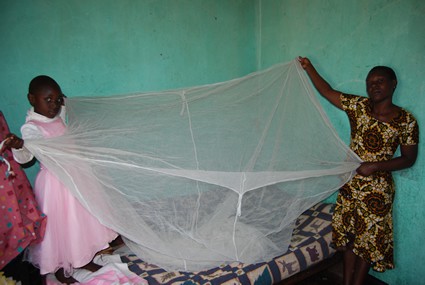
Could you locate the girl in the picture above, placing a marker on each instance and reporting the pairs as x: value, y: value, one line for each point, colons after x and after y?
x: 73, y: 236
x: 362, y: 222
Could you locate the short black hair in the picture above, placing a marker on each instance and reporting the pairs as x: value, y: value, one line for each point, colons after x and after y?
x: 384, y: 69
x: 41, y: 82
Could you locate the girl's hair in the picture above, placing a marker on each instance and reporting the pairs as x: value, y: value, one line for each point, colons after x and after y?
x: 388, y: 71
x: 41, y: 82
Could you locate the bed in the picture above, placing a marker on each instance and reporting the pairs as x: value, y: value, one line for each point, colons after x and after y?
x: 310, y: 252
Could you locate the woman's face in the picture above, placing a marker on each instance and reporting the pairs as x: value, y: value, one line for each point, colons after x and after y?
x: 47, y: 102
x: 379, y: 86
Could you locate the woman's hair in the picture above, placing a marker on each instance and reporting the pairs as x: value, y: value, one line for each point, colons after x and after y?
x: 388, y: 71
x: 41, y: 82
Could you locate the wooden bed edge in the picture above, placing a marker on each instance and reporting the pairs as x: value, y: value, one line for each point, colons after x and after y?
x: 321, y: 266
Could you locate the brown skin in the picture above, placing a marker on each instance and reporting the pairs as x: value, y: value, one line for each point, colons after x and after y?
x: 47, y: 103
x: 91, y: 266
x: 60, y: 275
x: 380, y: 90
x: 12, y: 141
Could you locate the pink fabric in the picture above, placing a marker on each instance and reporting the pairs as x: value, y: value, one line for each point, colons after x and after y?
x: 21, y: 221
x: 114, y: 277
x: 109, y: 274
x: 73, y: 236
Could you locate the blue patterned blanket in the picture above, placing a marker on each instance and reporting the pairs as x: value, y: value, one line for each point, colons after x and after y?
x: 310, y: 245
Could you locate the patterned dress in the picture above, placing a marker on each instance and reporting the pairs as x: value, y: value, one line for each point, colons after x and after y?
x: 363, y: 212
x: 21, y: 221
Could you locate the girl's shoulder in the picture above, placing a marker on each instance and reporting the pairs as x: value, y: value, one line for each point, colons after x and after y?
x: 30, y: 130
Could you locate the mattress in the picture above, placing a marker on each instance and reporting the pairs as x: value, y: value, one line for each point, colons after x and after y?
x: 310, y: 244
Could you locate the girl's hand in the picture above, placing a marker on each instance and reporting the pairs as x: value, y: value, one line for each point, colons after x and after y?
x: 12, y: 141
x: 367, y: 168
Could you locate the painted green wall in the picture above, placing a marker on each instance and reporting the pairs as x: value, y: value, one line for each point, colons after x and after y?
x: 102, y: 47
x: 344, y: 39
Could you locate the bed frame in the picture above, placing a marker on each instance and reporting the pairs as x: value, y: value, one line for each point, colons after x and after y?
x: 309, y: 253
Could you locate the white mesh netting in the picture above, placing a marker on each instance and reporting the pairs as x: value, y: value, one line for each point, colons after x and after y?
x: 201, y: 176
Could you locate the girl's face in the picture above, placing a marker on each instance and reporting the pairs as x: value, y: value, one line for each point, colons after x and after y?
x: 47, y: 102
x: 379, y: 86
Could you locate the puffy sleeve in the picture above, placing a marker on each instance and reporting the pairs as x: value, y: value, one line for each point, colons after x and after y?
x: 29, y: 131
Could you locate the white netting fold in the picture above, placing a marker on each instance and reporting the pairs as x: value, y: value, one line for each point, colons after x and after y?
x: 199, y: 176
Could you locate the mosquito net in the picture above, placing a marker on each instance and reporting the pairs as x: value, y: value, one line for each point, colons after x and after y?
x: 201, y: 176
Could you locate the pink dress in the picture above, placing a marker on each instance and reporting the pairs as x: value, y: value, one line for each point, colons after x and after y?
x: 73, y: 236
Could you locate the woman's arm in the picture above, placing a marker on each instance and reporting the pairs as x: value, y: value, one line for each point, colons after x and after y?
x: 407, y: 158
x: 321, y: 84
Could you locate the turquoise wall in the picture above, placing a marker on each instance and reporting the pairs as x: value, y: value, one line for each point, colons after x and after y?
x: 344, y: 39
x: 102, y: 47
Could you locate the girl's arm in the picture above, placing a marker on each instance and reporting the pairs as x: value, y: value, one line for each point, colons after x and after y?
x: 408, y: 156
x: 321, y: 84
x: 16, y: 144
x: 21, y: 154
